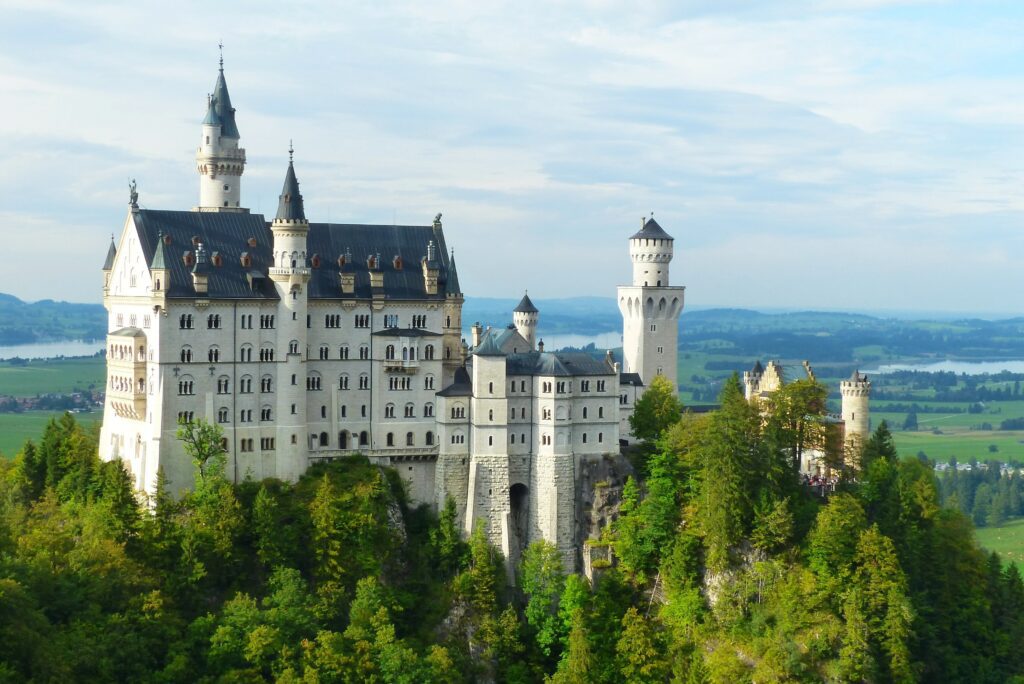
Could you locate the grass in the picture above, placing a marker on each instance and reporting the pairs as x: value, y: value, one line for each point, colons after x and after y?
x: 15, y: 428
x: 965, y: 445
x: 52, y: 376
x: 1007, y: 540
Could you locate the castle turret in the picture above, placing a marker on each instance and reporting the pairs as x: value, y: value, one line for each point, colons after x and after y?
x: 856, y: 393
x: 651, y: 307
x: 291, y: 276
x: 525, y: 317
x: 219, y: 160
x: 108, y: 264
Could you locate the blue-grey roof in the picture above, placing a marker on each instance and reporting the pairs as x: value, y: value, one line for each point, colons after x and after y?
x: 228, y: 234
x: 651, y: 231
x: 488, y: 347
x: 462, y: 384
x: 525, y: 305
x: 758, y: 369
x: 451, y: 285
x: 111, y: 254
x: 405, y: 332
x: 212, y: 118
x: 630, y: 379
x: 289, y: 206
x: 222, y: 109
x: 563, y: 364
x: 159, y: 253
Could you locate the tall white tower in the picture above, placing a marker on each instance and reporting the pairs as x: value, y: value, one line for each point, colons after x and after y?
x: 525, y: 317
x: 650, y: 307
x: 219, y: 160
x: 856, y: 393
x: 291, y: 276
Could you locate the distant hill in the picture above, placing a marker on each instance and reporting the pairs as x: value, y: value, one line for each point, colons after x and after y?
x: 47, y: 320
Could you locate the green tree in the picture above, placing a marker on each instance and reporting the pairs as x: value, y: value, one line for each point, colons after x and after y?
x: 542, y: 580
x: 577, y: 664
x: 832, y: 543
x: 910, y: 422
x: 656, y: 410
x: 449, y: 550
x: 641, y: 656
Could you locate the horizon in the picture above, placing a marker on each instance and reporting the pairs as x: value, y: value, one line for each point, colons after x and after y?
x: 791, y: 151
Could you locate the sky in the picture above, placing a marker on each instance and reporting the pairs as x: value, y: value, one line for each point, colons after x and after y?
x: 837, y: 154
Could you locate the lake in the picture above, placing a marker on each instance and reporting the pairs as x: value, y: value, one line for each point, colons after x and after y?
x: 49, y: 350
x: 958, y: 367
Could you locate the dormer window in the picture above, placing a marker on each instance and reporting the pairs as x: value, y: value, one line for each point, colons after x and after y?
x: 188, y: 258
x: 245, y: 259
x: 315, y: 261
x: 371, y: 262
x: 397, y: 261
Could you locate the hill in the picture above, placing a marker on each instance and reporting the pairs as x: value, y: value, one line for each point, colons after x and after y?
x: 46, y: 320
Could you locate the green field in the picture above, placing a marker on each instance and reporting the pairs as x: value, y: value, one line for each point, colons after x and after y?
x: 52, y: 376
x: 1006, y: 540
x: 15, y: 428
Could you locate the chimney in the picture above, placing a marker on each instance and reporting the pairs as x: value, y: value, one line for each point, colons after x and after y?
x: 540, y: 346
x: 477, y: 331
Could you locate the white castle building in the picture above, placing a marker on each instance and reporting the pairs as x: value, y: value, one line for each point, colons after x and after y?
x: 309, y: 341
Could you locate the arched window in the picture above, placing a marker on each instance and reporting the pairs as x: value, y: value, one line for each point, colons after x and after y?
x: 324, y: 441
x: 410, y: 410
x: 223, y: 385
x: 409, y: 439
x: 428, y: 410
x: 186, y: 355
x: 428, y: 352
x: 430, y: 438
x: 364, y: 438
x: 490, y: 387
x: 391, y: 439
x: 389, y: 352
x: 389, y: 411
x: 343, y: 440
x: 213, y: 356
x: 266, y: 384
x: 584, y: 411
x: 600, y: 411
x: 223, y: 415
x: 343, y: 382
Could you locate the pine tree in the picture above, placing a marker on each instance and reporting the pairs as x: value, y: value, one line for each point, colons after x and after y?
x: 542, y: 580
x: 641, y: 658
x: 577, y: 665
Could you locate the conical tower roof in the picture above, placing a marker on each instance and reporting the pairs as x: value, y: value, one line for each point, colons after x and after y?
x: 220, y: 108
x: 451, y: 285
x: 525, y: 305
x: 290, y: 208
x: 159, y: 253
x: 111, y: 254
x: 651, y: 231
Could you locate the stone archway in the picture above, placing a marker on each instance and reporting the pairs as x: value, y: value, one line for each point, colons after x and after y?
x: 519, y: 521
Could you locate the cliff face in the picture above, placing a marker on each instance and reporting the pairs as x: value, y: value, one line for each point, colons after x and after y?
x: 599, y: 485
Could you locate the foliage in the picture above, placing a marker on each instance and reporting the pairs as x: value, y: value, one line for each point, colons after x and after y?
x: 656, y: 410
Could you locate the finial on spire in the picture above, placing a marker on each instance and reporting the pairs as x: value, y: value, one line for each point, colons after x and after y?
x: 220, y: 46
x: 291, y: 151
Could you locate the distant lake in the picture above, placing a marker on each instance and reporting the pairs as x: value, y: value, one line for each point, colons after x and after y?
x: 49, y: 350
x: 606, y: 340
x: 958, y: 367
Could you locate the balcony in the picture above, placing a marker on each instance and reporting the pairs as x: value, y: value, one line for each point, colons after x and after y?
x: 399, y: 366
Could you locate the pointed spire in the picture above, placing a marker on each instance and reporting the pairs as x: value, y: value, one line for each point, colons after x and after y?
x: 159, y: 253
x: 525, y: 305
x: 290, y: 208
x: 451, y: 284
x: 220, y: 109
x: 111, y: 254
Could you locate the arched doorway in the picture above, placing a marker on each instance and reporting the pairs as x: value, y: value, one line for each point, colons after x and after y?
x: 519, y: 509
x: 343, y: 440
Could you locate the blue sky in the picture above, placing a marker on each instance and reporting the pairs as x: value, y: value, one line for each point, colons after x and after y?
x: 839, y: 154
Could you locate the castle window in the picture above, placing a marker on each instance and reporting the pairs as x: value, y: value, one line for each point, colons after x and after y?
x: 364, y: 381
x: 213, y: 355
x: 661, y: 350
x: 186, y: 355
x: 245, y: 416
x: 265, y: 413
x: 600, y: 437
x: 343, y: 382
x: 294, y: 380
x: 343, y: 352
x: 245, y: 353
x: 266, y: 354
x: 522, y: 412
x: 364, y: 438
x: 213, y: 321
x: 584, y: 387
x: 584, y: 411
x: 600, y: 412
x: 428, y: 382
x: 293, y: 347
x: 267, y: 322
x: 389, y: 411
x: 512, y: 438
x: 295, y: 411
x: 324, y: 353
x: 266, y: 384
x: 600, y: 385
x: 409, y: 439
x: 323, y: 411
x: 313, y: 382
x: 584, y: 437
x: 430, y: 438
x: 344, y: 412
x: 654, y: 327
x: 391, y: 439
x: 390, y: 320
x: 186, y: 386
x: 490, y: 415
x: 490, y: 441
x: 389, y: 352
x: 490, y: 387
x: 223, y: 384
x: 362, y: 410
x: 428, y: 410
x: 364, y: 352
x: 222, y: 415
x: 410, y: 411
x: 245, y: 385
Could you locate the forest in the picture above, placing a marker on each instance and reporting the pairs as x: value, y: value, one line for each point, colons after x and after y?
x: 726, y: 569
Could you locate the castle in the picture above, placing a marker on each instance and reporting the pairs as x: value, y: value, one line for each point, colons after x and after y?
x: 309, y: 341
x: 854, y: 420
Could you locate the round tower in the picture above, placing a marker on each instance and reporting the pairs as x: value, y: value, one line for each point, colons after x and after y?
x: 651, y: 252
x: 856, y: 393
x: 525, y: 317
x: 291, y: 276
x: 219, y: 160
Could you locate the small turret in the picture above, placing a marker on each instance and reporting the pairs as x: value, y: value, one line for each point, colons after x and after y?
x: 108, y: 263
x: 158, y: 269
x: 650, y: 249
x: 525, y: 317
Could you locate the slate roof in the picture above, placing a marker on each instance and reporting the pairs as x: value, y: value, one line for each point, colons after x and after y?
x: 462, y: 384
x: 561, y: 364
x: 488, y: 347
x: 289, y: 206
x: 220, y: 107
x: 857, y: 376
x: 630, y: 379
x: 507, y: 339
x: 451, y: 285
x: 227, y: 234
x: 159, y: 253
x: 128, y: 332
x: 758, y: 369
x: 651, y: 231
x: 111, y: 253
x: 525, y: 305
x: 405, y: 332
